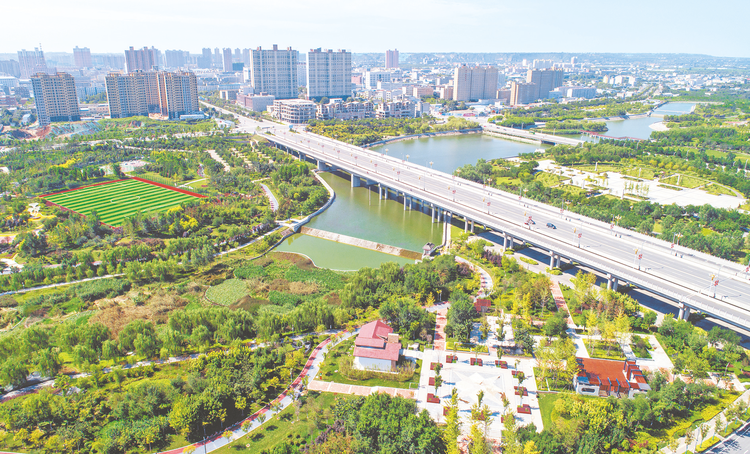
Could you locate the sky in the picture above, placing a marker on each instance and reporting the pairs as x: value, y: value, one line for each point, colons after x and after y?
x: 715, y: 28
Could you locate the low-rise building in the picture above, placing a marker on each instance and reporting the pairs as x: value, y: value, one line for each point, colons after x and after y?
x: 376, y: 347
x: 229, y: 95
x: 397, y: 109
x: 294, y: 111
x: 336, y: 109
x: 418, y: 92
x: 604, y: 378
x: 256, y: 103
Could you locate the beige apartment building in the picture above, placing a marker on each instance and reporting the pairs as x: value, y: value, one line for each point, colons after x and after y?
x: 546, y: 80
x: 55, y: 97
x: 472, y: 84
x: 523, y: 93
x: 170, y: 94
x: 339, y: 110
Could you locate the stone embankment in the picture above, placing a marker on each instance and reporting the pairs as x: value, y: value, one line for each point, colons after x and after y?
x: 392, y: 250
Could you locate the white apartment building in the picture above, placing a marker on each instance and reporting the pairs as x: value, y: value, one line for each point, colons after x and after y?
x: 329, y: 74
x: 373, y: 77
x: 274, y: 71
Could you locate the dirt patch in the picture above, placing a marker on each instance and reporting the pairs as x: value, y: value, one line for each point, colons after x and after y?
x: 116, y: 314
x: 296, y: 259
x: 333, y: 299
x: 280, y: 285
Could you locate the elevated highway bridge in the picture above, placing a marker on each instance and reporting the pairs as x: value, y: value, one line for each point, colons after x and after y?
x: 694, y: 280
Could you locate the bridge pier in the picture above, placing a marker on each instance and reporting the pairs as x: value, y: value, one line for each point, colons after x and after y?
x: 557, y: 261
x: 356, y: 181
x: 551, y: 260
x: 432, y: 216
x: 684, y: 313
x: 322, y: 165
x: 472, y: 226
x: 466, y: 225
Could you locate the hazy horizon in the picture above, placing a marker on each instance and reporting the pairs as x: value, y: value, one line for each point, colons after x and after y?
x: 536, y: 26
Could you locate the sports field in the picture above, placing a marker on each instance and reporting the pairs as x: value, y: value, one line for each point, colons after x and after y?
x: 115, y: 201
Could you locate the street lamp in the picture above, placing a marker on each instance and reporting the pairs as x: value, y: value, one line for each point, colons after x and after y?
x: 677, y: 235
x: 638, y: 256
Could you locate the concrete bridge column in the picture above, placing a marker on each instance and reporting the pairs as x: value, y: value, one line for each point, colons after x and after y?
x: 687, y: 313
x: 322, y: 165
x: 557, y: 261
x: 551, y: 260
x: 609, y: 282
x: 681, y: 313
x: 510, y: 241
x: 472, y: 226
x: 615, y: 283
x: 466, y: 225
x: 505, y: 241
x: 356, y: 181
x: 433, y: 213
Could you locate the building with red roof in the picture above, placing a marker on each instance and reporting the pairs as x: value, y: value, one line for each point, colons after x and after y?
x: 604, y: 377
x: 376, y: 347
x: 482, y: 305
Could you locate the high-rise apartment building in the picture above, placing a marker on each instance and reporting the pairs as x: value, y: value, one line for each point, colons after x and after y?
x: 218, y: 59
x: 204, y: 61
x: 227, y: 60
x: 472, y: 84
x: 545, y: 80
x: 142, y: 59
x: 523, y: 93
x: 274, y: 71
x: 301, y: 73
x: 237, y: 56
x: 126, y: 94
x: 391, y: 59
x: 10, y: 67
x: 329, y: 74
x: 82, y: 57
x: 246, y: 57
x: 55, y: 97
x: 178, y: 94
x: 31, y: 62
x: 170, y: 94
x: 176, y: 58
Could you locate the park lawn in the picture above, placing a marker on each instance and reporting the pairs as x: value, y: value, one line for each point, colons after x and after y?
x: 717, y: 189
x: 283, y: 427
x: 641, y: 353
x: 600, y: 350
x: 228, y: 292
x: 547, y: 407
x: 116, y: 201
x: 698, y: 416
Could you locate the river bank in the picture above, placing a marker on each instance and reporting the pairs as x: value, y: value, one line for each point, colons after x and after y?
x: 423, y: 136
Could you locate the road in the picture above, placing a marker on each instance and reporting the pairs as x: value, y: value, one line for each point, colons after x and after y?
x: 738, y: 443
x: 675, y: 272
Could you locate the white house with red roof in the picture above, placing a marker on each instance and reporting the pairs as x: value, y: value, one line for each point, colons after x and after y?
x: 376, y: 347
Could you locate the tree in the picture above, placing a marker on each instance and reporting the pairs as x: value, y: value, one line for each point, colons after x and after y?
x: 689, y: 437
x: 189, y: 449
x: 719, y: 424
x: 48, y: 362
x: 13, y: 372
x: 452, y: 425
x: 438, y: 382
x: 228, y: 435
x: 704, y: 432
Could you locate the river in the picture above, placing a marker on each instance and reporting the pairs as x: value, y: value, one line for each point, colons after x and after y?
x: 357, y: 212
x: 640, y: 128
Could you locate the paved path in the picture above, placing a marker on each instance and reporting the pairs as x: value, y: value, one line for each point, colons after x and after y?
x: 485, y: 280
x: 271, y: 198
x: 737, y: 443
x: 340, y: 388
x: 557, y: 294
x: 440, y: 330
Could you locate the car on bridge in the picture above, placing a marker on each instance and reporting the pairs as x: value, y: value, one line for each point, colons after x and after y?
x: 551, y: 225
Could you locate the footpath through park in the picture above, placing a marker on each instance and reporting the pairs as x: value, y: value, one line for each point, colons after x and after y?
x: 284, y: 399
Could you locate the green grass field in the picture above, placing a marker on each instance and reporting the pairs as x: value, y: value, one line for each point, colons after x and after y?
x: 114, y: 202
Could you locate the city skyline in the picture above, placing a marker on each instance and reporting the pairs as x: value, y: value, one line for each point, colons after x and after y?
x: 476, y: 26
